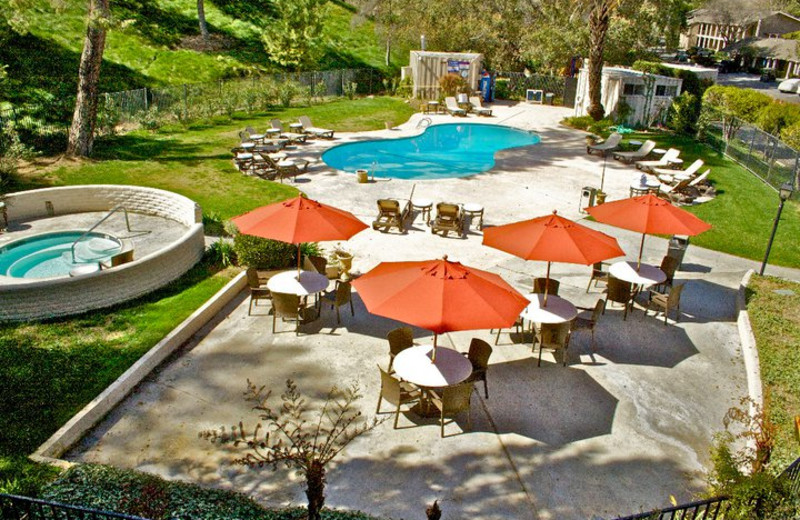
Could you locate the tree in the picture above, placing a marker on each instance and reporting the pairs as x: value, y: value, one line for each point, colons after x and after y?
x: 382, y: 12
x: 599, y: 20
x: 201, y: 18
x: 81, y: 133
x: 734, y: 105
x: 296, y: 435
x: 293, y: 39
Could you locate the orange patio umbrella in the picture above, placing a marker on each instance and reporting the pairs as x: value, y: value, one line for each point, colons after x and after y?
x: 299, y: 220
x: 552, y: 239
x: 440, y: 296
x: 648, y: 214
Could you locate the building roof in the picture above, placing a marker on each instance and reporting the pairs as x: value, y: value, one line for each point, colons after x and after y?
x: 714, y: 16
x: 779, y: 48
x: 450, y: 55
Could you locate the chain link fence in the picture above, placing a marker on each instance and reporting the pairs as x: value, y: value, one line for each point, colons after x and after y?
x: 224, y: 97
x: 763, y: 154
x: 514, y: 85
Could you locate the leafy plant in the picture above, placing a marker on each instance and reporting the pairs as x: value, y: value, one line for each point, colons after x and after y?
x: 349, y: 89
x: 297, y: 435
x: 263, y: 253
x: 452, y: 84
x: 683, y: 114
x: 221, y: 253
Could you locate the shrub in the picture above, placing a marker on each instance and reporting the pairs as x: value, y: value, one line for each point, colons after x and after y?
x: 263, y: 253
x: 452, y: 84
x: 405, y: 88
x: 502, y: 89
x: 600, y: 127
x: 220, y: 253
x: 287, y: 91
x: 683, y: 114
x: 776, y: 116
x: 349, y: 89
x: 791, y: 135
x: 578, y: 122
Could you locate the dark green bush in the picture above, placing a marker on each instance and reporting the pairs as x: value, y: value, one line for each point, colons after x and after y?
x: 263, y: 253
x: 502, y: 90
x: 131, y: 492
x: 601, y: 127
x: 683, y: 114
x: 578, y: 122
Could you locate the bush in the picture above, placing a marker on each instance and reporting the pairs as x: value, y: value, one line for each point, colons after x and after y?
x: 579, y: 122
x: 263, y: 253
x: 220, y: 253
x: 134, y: 493
x: 791, y: 135
x: 683, y: 114
x: 502, y: 89
x: 778, y: 115
x: 452, y: 84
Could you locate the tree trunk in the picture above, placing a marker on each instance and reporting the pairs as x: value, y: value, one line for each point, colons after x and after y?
x: 201, y: 17
x: 315, y: 492
x: 599, y: 19
x: 81, y: 133
x: 389, y: 29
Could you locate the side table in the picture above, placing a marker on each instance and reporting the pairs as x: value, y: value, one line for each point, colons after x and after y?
x: 474, y: 210
x: 424, y: 207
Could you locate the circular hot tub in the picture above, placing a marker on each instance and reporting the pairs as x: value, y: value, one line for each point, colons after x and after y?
x: 49, y: 274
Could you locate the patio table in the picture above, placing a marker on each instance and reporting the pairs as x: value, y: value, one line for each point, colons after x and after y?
x: 415, y: 366
x: 308, y: 283
x: 645, y: 276
x: 557, y: 310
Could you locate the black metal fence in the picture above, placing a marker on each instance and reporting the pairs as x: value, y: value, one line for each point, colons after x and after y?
x: 712, y: 508
x: 13, y: 507
x: 763, y: 154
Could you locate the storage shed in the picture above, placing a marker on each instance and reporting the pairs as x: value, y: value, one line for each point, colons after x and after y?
x: 427, y: 67
x: 648, y: 95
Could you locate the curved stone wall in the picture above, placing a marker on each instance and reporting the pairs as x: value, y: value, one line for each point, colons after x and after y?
x: 22, y: 299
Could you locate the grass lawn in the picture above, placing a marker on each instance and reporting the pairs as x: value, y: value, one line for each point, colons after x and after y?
x: 743, y: 212
x: 776, y: 325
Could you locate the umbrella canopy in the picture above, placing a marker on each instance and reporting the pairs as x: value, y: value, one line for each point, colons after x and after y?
x: 553, y: 239
x: 648, y: 214
x: 440, y: 296
x: 299, y: 220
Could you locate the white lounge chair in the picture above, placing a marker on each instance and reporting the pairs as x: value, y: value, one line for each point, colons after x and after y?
x: 666, y: 174
x: 452, y: 107
x: 609, y: 145
x: 668, y: 156
x: 478, y: 107
x: 641, y: 153
x: 291, y: 136
x: 309, y: 128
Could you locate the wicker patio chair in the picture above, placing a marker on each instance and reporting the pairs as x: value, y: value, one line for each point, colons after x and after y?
x: 555, y: 337
x: 258, y: 291
x: 451, y: 401
x: 590, y: 323
x: 599, y: 275
x: 399, y: 339
x: 551, y: 284
x: 667, y: 302
x: 619, y: 291
x: 397, y: 393
x: 478, y: 355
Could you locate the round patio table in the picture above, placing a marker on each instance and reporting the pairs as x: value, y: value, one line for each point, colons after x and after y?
x: 414, y: 365
x: 308, y: 283
x: 659, y: 151
x: 645, y: 276
x: 557, y: 310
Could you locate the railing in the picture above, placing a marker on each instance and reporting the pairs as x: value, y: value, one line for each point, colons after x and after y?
x: 709, y: 509
x: 113, y: 210
x: 15, y: 507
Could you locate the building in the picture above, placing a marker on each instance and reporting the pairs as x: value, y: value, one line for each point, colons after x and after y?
x: 778, y: 54
x: 427, y: 67
x: 716, y: 30
x: 648, y: 96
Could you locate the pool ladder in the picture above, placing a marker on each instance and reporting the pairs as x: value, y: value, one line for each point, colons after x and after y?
x: 425, y: 122
x: 113, y: 210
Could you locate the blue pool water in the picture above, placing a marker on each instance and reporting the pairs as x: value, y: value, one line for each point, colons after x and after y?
x: 49, y: 254
x: 441, y: 151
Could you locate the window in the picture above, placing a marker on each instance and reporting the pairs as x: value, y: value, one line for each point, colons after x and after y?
x: 666, y: 90
x: 631, y: 89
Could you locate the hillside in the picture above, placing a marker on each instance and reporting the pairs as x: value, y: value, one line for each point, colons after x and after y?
x: 154, y: 43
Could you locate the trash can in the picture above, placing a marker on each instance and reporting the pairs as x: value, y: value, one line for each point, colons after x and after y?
x: 677, y: 248
x: 362, y: 176
x: 548, y: 98
x: 588, y: 195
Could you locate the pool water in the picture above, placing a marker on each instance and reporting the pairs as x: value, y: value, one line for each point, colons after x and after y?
x: 50, y: 254
x: 441, y: 151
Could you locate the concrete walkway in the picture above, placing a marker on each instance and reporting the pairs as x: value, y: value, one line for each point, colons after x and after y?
x: 617, y: 431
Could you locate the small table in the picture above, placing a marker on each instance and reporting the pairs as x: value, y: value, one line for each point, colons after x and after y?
x: 643, y: 187
x: 248, y: 145
x: 298, y: 127
x: 645, y: 276
x: 659, y: 151
x: 634, y: 142
x: 675, y: 163
x: 273, y: 132
x: 432, y: 106
x: 557, y: 310
x: 474, y: 210
x: 424, y: 206
x: 257, y: 137
x: 415, y: 366
x: 308, y: 283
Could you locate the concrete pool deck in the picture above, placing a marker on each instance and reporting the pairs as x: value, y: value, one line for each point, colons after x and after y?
x: 617, y: 431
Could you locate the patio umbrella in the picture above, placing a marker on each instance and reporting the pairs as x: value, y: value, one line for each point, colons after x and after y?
x: 648, y: 214
x: 440, y: 296
x: 299, y: 220
x: 552, y: 239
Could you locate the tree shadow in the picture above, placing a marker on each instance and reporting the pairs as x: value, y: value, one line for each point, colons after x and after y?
x: 137, y: 147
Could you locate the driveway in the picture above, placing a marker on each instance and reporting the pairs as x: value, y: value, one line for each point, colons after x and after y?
x: 743, y: 80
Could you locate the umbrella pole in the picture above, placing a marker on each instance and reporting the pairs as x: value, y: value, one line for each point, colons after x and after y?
x: 433, y: 356
x: 641, y: 248
x: 298, y: 261
x: 546, y: 283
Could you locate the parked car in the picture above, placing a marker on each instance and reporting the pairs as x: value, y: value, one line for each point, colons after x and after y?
x: 791, y: 86
x: 726, y: 66
x: 681, y: 56
x: 767, y: 75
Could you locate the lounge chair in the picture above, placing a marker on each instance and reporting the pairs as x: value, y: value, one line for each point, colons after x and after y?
x: 391, y: 214
x: 452, y: 107
x: 684, y: 191
x: 667, y: 175
x: 609, y: 145
x: 292, y: 137
x: 641, y: 153
x: 478, y: 107
x: 449, y: 217
x: 669, y: 155
x: 309, y: 128
x: 287, y: 167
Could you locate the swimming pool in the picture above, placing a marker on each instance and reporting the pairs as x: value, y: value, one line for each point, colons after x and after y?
x: 50, y: 254
x: 441, y: 151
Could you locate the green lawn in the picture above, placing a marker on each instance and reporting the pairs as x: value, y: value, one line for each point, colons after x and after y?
x: 776, y: 324
x: 744, y: 209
